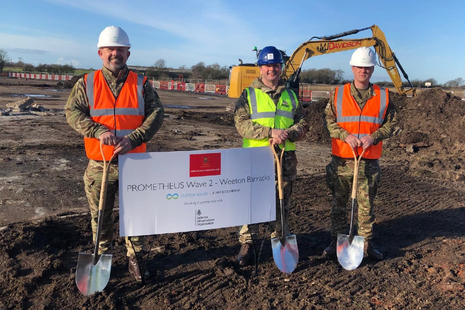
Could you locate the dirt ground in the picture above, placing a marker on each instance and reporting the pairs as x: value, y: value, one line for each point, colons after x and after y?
x: 44, y: 218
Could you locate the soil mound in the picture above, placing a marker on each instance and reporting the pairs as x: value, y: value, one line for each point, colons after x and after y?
x: 70, y: 83
x: 317, y: 131
x: 433, y: 118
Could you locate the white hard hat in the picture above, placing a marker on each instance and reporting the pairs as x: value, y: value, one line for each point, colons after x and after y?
x: 113, y: 36
x: 363, y: 57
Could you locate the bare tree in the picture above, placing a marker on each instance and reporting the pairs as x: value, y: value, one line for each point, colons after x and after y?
x: 197, y: 70
x: 160, y: 67
x: 454, y: 83
x: 3, y: 59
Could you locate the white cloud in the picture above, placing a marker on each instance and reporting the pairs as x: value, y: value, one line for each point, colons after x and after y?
x: 206, y: 29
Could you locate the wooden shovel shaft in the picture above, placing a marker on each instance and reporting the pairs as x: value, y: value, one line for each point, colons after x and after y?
x: 356, y: 167
x: 279, y: 168
x: 354, y: 190
x: 102, y: 201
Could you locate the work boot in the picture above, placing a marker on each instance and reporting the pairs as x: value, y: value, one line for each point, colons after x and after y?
x: 330, y: 250
x: 245, y: 254
x: 372, y: 252
x: 136, y: 271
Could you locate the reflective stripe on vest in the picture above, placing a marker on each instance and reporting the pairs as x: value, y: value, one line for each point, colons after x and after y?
x: 265, y: 112
x: 359, y: 122
x: 361, y: 118
x: 121, y: 115
x: 256, y: 115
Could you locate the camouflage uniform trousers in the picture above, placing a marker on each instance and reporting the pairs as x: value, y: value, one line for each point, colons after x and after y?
x: 92, y: 183
x: 339, y: 178
x: 289, y: 177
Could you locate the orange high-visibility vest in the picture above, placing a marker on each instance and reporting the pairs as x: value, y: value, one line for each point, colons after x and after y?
x: 359, y: 122
x: 121, y: 115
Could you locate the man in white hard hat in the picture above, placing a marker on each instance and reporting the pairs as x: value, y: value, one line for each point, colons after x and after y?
x: 119, y: 109
x: 359, y: 116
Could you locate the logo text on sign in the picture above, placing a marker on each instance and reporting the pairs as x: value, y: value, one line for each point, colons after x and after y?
x: 202, y: 165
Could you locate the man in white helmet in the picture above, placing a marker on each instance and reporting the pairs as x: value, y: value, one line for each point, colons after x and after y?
x: 119, y: 109
x: 359, y: 116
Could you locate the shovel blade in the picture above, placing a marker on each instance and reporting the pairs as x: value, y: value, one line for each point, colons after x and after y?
x: 350, y: 255
x: 285, y: 256
x: 92, y: 278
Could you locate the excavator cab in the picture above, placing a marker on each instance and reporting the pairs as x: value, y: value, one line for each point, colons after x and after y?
x: 240, y: 77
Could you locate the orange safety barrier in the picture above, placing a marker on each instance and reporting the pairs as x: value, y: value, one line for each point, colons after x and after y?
x: 164, y: 85
x: 180, y: 86
x: 199, y: 88
x: 305, y: 95
x: 220, y: 89
x: 40, y: 76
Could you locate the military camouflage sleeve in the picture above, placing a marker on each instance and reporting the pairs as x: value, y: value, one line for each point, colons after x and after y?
x: 299, y: 129
x: 153, y: 117
x: 335, y: 131
x: 78, y: 113
x: 244, y: 125
x: 389, y: 124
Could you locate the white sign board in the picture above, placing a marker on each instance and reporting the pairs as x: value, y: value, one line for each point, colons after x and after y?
x: 168, y: 192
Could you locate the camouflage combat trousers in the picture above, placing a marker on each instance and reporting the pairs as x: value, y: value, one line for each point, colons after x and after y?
x: 339, y: 178
x: 289, y: 176
x: 92, y: 183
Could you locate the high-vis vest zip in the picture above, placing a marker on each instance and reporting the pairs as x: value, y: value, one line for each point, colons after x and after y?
x: 265, y: 112
x: 121, y: 115
x: 359, y: 122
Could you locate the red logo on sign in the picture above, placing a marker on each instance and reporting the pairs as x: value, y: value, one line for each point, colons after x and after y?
x: 202, y: 165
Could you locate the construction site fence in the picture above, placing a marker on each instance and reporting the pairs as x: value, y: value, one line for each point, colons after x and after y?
x: 40, y: 76
x: 306, y: 94
x: 206, y: 88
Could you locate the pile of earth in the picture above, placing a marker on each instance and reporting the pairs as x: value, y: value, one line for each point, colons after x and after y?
x: 69, y: 84
x: 428, y: 138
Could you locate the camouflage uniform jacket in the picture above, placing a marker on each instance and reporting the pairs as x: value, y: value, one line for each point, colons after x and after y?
x: 78, y: 113
x: 249, y: 130
x: 336, y: 131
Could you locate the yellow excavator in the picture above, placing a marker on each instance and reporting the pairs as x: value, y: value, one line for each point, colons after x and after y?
x: 242, y: 75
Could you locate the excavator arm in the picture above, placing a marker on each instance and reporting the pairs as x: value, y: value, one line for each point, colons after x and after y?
x: 241, y: 76
x: 332, y: 44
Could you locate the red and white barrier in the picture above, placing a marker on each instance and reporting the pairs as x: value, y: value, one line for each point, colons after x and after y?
x: 164, y: 85
x: 40, y: 76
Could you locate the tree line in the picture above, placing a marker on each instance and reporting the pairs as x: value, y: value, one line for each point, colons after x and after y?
x: 5, y: 61
x: 200, y: 71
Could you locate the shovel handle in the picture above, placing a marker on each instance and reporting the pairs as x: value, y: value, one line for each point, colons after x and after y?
x: 356, y: 166
x: 101, y: 204
x: 354, y: 191
x: 103, y: 189
x: 279, y: 169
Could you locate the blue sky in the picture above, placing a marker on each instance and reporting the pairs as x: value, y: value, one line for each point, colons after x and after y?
x: 426, y: 36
